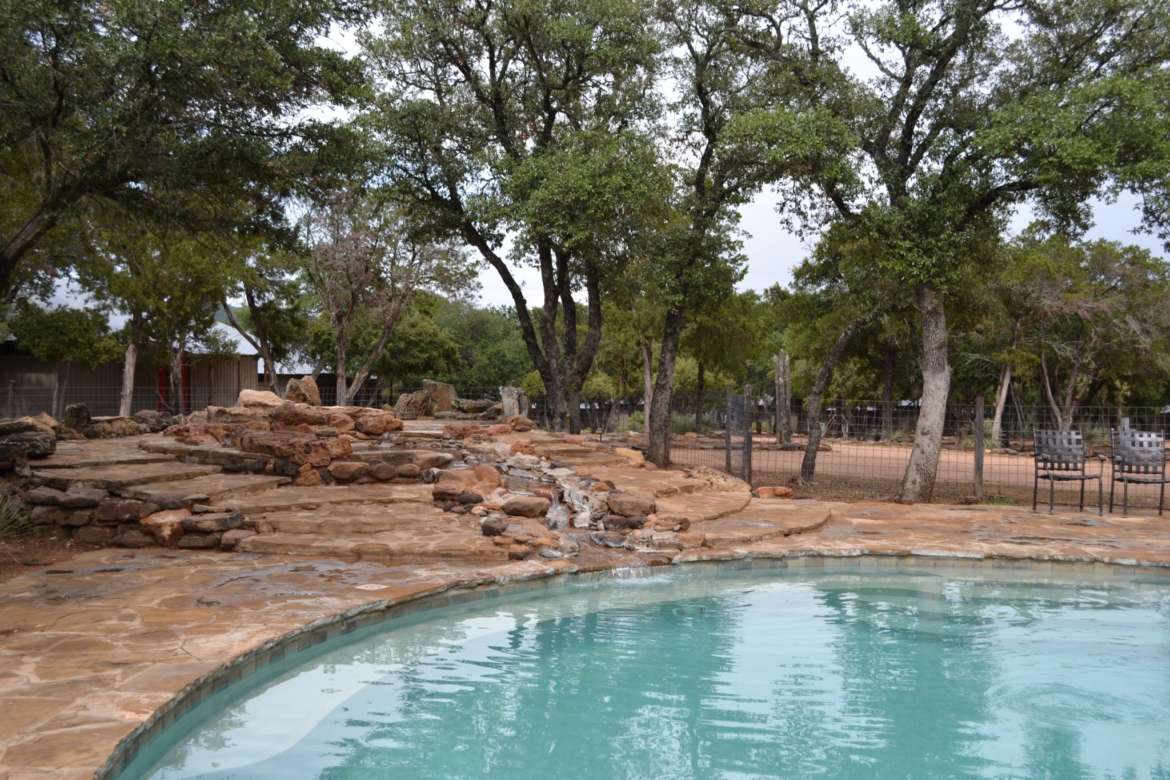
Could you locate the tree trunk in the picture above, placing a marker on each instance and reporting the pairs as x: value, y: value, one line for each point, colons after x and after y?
x: 889, y: 364
x: 340, y: 361
x: 363, y: 373
x: 808, y: 464
x: 177, y: 377
x: 699, y: 388
x: 1001, y: 396
x: 783, y: 398
x: 658, y: 448
x: 129, y: 363
x: 647, y: 380
x: 918, y: 484
x: 54, y: 401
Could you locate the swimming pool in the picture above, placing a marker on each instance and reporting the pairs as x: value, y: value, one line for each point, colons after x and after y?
x: 846, y: 670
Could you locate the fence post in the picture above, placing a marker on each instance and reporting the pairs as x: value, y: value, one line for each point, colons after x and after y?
x: 727, y: 435
x: 978, y: 448
x: 749, y: 413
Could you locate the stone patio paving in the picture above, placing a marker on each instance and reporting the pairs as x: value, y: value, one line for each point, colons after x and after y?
x: 90, y: 648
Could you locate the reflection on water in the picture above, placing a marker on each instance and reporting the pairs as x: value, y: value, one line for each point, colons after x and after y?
x: 929, y: 674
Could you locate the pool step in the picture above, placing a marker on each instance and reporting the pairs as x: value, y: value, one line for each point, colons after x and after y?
x: 214, y: 487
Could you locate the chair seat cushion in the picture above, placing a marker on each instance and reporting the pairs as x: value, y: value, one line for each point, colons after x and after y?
x: 1149, y: 479
x: 1059, y: 477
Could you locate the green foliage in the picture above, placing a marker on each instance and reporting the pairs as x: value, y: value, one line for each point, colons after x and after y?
x: 15, y: 519
x: 60, y: 335
x: 145, y: 104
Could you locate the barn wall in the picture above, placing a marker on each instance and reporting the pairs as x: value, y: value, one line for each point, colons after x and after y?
x: 26, y: 384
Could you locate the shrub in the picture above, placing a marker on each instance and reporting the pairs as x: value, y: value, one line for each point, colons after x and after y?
x: 15, y: 519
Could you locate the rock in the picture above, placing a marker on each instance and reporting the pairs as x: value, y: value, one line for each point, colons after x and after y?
x: 469, y: 497
x: 461, y: 430
x: 291, y: 415
x: 513, y: 402
x: 200, y: 541
x: 608, y: 539
x: 123, y: 510
x: 303, y: 391
x: 231, y: 539
x: 299, y: 448
x: 167, y: 526
x: 622, y: 523
x: 486, y: 474
x: 473, y: 406
x: 631, y: 504
x: 408, y: 471
x: 25, y: 438
x: 133, y: 537
x: 258, y: 398
x: 308, y: 476
x: 80, y: 497
x: 493, y: 412
x: 493, y: 526
x: 44, y: 496
x: 440, y: 396
x: 347, y: 470
x: 94, y: 534
x: 213, y: 522
x: 49, y: 515
x: 375, y: 422
x: 411, y: 406
x: 152, y: 420
x: 777, y: 491
x: 382, y: 471
x: 526, y: 506
x: 634, y: 457
x: 520, y: 424
x: 77, y: 416
x: 113, y: 428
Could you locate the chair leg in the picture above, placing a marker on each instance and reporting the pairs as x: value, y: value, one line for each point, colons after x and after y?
x: 1082, y: 509
x: 1112, y: 485
x: 1051, y: 495
x: 1161, y: 497
x: 1035, y: 489
x: 1125, y: 498
x: 1100, y: 498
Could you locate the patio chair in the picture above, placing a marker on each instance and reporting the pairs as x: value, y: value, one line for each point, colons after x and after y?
x: 1060, y: 457
x: 1139, y: 457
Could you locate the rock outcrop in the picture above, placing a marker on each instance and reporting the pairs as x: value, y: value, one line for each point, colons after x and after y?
x: 303, y: 391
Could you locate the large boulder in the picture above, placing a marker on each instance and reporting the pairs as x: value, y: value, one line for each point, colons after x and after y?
x: 303, y: 391
x: 302, y: 449
x: 440, y: 396
x: 258, y: 398
x: 513, y: 402
x: 473, y: 405
x: 154, y: 421
x: 24, y: 438
x: 292, y: 415
x: 113, y: 428
x: 77, y: 416
x: 411, y: 406
x: 375, y: 422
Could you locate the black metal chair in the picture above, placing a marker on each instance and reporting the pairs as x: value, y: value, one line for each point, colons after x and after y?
x: 1139, y: 457
x: 1060, y: 457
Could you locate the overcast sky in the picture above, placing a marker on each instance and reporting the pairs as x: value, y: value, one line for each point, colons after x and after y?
x: 773, y: 252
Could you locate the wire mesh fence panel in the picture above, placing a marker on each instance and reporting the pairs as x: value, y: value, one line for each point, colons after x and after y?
x: 866, y: 449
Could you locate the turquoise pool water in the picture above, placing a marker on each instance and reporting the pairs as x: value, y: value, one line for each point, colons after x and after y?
x: 837, y: 673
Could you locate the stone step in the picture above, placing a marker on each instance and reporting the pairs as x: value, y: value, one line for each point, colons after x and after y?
x: 208, y: 454
x: 702, y: 507
x: 415, y: 544
x: 424, y: 459
x: 216, y: 487
x: 295, y: 497
x: 763, y: 519
x: 351, y: 519
x: 120, y: 476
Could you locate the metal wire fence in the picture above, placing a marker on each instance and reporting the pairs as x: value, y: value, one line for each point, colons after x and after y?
x: 866, y: 447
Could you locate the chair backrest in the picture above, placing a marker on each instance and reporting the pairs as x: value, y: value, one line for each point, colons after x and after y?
x: 1060, y: 450
x: 1139, y: 452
